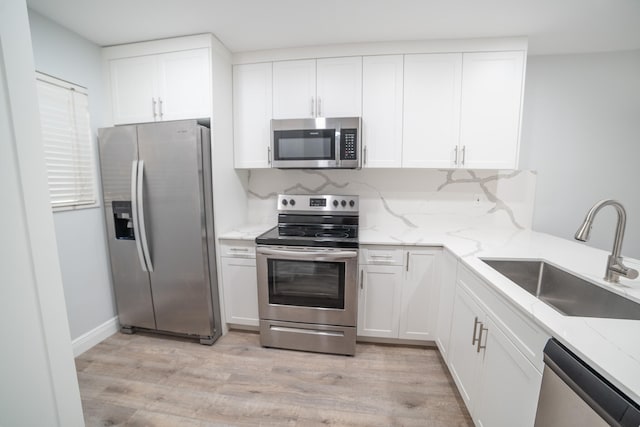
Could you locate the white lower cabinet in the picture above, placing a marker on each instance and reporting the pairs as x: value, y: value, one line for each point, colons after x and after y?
x: 419, y: 302
x: 498, y: 383
x: 379, y: 302
x: 446, y: 297
x: 509, y: 383
x: 239, y: 280
x: 398, y: 293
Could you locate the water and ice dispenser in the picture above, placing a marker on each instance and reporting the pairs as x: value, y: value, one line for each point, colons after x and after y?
x: 123, y: 220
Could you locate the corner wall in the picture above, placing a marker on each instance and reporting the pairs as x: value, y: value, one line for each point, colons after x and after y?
x: 39, y: 383
x: 581, y: 132
x: 80, y: 234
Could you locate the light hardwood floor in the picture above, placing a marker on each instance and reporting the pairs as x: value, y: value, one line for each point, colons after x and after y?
x: 143, y: 380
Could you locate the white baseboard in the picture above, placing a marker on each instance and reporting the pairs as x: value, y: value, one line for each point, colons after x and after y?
x: 98, y: 334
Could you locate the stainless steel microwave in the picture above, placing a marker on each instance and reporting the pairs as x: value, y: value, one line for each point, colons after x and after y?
x: 331, y: 143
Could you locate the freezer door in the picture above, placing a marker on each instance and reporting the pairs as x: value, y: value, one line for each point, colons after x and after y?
x: 173, y: 200
x: 118, y: 152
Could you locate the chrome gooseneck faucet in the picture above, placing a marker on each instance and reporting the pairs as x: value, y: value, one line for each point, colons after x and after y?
x: 615, y: 267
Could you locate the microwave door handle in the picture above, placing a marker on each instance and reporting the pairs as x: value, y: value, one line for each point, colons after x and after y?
x: 134, y: 213
x: 304, y: 254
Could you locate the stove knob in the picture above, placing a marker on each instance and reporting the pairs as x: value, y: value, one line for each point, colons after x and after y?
x: 343, y: 203
x: 292, y: 202
x: 284, y: 202
x: 335, y: 203
x: 351, y: 203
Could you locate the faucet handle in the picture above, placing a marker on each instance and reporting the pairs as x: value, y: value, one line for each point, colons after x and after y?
x: 617, y: 268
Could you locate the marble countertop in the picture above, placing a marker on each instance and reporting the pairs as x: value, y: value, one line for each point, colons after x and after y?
x: 246, y: 232
x: 610, y: 346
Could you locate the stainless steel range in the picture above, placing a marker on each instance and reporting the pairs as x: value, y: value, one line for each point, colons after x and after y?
x: 307, y: 275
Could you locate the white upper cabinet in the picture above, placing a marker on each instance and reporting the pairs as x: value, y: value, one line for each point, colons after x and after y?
x: 339, y: 87
x: 184, y: 84
x: 252, y: 100
x: 419, y: 108
x: 492, y: 88
x: 329, y: 87
x: 294, y: 89
x: 382, y: 79
x: 167, y: 86
x: 432, y: 84
x: 133, y: 89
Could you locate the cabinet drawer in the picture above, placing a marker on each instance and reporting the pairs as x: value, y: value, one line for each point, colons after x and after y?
x: 522, y: 332
x: 238, y: 248
x: 384, y: 255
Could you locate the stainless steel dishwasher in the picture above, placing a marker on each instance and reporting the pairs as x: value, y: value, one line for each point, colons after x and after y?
x: 573, y: 394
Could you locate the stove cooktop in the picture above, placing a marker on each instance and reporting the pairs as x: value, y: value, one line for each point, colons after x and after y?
x: 275, y: 237
x: 316, y: 221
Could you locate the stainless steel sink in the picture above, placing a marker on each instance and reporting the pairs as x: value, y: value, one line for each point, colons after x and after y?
x: 567, y: 293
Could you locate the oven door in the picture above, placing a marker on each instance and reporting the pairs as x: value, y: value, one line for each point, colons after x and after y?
x: 309, y: 285
x: 305, y: 148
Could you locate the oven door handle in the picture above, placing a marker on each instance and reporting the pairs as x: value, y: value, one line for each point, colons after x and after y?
x: 304, y: 254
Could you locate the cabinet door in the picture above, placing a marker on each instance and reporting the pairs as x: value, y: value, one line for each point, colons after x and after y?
x: 185, y: 87
x: 339, y: 87
x: 431, y: 110
x: 252, y: 98
x: 379, y: 301
x: 492, y: 84
x: 240, y: 291
x: 294, y: 89
x: 446, y: 297
x: 464, y: 359
x: 382, y: 110
x: 419, y: 307
x: 133, y: 89
x: 509, y: 384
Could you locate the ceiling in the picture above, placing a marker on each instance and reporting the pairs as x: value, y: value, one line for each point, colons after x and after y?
x: 553, y: 26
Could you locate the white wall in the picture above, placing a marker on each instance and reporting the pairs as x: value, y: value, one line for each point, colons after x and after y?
x: 38, y: 381
x: 581, y: 132
x: 80, y: 234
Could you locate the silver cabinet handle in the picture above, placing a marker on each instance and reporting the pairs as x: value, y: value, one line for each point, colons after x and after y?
x: 134, y: 212
x: 319, y: 107
x: 365, y: 154
x: 361, y: 279
x: 153, y: 107
x: 312, y: 107
x: 455, y: 151
x: 160, y: 107
x: 464, y: 154
x: 408, y: 256
x: 269, y: 154
x: 480, y: 346
x: 476, y: 322
x: 143, y: 228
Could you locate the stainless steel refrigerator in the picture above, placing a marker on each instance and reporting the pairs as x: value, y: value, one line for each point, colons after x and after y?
x: 157, y: 189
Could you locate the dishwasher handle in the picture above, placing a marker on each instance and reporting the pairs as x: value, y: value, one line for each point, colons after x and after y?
x: 603, y: 397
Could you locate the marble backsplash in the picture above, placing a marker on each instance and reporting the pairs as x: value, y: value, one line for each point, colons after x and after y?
x: 414, y: 198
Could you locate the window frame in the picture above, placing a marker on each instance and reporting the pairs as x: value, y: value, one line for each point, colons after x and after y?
x: 77, y: 204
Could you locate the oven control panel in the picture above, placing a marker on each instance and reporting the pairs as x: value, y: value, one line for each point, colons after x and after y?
x: 318, y: 203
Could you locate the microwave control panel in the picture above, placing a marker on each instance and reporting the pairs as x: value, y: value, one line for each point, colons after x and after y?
x: 348, y: 144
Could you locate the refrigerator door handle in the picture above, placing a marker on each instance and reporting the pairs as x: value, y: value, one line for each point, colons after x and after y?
x: 134, y: 213
x: 143, y: 228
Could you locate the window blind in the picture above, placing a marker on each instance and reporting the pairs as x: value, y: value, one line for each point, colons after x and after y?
x: 68, y: 147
